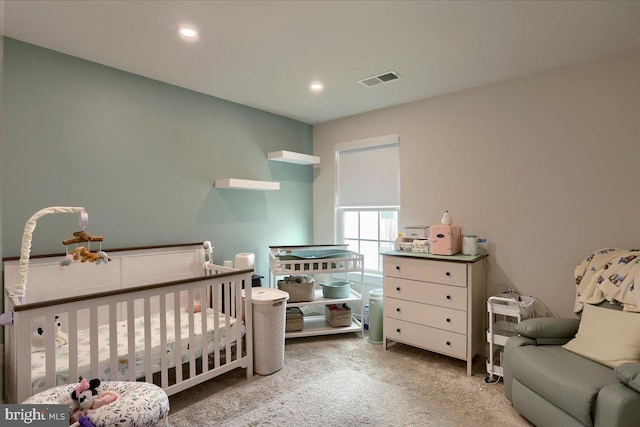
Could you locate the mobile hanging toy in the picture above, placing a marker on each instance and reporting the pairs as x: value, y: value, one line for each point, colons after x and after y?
x: 19, y: 290
x: 80, y: 252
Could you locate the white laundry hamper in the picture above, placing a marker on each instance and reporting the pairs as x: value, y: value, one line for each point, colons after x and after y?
x: 269, y: 321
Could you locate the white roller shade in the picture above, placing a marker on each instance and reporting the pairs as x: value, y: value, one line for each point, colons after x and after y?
x: 369, y: 172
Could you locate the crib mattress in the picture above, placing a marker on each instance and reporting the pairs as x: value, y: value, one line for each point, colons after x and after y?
x: 38, y: 358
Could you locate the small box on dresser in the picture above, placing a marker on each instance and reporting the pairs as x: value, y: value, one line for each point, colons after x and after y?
x: 417, y: 231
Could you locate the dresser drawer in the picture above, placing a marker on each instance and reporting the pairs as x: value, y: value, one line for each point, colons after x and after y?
x: 425, y: 292
x: 425, y: 337
x: 424, y: 314
x: 448, y: 273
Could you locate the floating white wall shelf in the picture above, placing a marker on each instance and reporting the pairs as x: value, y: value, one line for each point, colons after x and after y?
x: 292, y: 157
x: 246, y: 184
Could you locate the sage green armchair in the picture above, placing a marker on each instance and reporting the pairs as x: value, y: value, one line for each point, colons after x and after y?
x: 552, y: 386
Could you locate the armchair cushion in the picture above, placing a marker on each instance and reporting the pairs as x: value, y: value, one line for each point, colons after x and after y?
x: 569, y: 381
x: 629, y: 374
x: 606, y: 336
x: 548, y: 330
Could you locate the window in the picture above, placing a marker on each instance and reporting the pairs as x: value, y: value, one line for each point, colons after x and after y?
x: 368, y: 196
x: 369, y: 231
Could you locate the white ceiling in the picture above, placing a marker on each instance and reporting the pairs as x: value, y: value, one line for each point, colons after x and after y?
x: 266, y: 53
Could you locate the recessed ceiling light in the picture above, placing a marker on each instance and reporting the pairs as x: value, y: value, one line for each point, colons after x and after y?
x: 316, y: 87
x: 188, y: 33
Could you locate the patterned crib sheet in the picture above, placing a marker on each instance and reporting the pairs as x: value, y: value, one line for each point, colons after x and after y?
x: 38, y: 358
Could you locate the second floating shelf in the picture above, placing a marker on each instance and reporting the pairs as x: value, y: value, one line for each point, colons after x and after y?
x: 246, y: 184
x: 292, y: 157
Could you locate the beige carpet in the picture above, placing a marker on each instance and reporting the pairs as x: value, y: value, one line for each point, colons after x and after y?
x: 342, y: 380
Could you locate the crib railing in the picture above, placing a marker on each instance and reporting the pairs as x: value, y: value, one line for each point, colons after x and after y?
x: 176, y: 372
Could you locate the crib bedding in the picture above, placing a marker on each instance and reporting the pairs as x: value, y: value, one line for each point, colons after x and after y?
x: 38, y: 358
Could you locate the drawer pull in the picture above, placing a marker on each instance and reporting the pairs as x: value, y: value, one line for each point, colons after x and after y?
x: 448, y: 342
x: 398, y: 288
x: 398, y: 309
x: 448, y: 320
x: 398, y: 330
x: 447, y: 274
x: 448, y: 296
x: 397, y: 267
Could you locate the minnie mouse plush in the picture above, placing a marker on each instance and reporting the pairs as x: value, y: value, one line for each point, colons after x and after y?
x: 88, y: 398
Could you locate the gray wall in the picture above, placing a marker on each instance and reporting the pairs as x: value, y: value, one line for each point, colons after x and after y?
x: 141, y: 156
x: 545, y: 166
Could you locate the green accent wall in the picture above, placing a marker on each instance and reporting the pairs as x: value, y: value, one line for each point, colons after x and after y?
x: 141, y: 156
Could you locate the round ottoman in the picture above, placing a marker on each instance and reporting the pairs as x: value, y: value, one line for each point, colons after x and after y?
x: 138, y: 404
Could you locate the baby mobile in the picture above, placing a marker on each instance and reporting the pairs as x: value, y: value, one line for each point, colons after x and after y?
x: 80, y: 252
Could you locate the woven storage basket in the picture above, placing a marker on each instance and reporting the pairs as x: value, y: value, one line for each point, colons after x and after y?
x: 295, y: 319
x: 299, y: 288
x: 338, y: 315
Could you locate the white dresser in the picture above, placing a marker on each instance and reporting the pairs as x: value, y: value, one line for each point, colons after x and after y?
x: 435, y: 302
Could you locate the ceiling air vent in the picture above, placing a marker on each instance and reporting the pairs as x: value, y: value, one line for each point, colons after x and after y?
x: 387, y: 77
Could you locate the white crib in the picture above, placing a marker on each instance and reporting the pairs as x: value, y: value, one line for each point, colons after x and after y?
x: 145, y: 299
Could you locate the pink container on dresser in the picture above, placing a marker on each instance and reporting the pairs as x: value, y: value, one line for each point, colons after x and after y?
x: 445, y: 239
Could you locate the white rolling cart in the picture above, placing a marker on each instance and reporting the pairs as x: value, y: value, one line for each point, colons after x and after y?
x: 504, y: 314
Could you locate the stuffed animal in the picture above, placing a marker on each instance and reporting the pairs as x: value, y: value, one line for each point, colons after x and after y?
x: 102, y: 257
x: 87, y: 398
x: 90, y: 256
x: 85, y: 393
x: 66, y: 262
x: 81, y: 253
x: 38, y: 337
